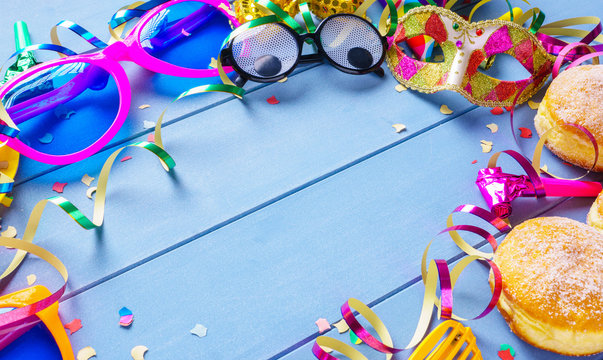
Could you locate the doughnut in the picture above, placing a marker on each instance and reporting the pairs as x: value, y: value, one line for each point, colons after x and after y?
x: 574, y: 97
x: 247, y: 11
x: 552, y: 292
x: 595, y: 214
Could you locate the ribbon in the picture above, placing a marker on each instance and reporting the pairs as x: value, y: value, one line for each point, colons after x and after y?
x: 436, y: 272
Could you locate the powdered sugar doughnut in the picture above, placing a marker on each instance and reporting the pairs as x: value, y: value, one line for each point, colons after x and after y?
x: 574, y: 97
x: 552, y: 296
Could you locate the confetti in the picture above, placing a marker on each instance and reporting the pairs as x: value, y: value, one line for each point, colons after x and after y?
x: 87, y: 179
x: 525, y: 133
x: 354, y: 339
x: 505, y: 355
x: 86, y: 353
x: 509, y: 108
x: 148, y: 124
x: 59, y: 187
x: 474, y: 162
x: 213, y: 63
x: 341, y: 326
x: 125, y: 158
x: 567, y: 164
x: 544, y: 168
x: 323, y: 325
x: 533, y: 105
x: 400, y: 88
x: 272, y: 100
x: 444, y: 109
x: 493, y: 127
x: 74, y: 326
x: 10, y: 232
x: 31, y: 278
x: 144, y: 106
x: 125, y: 317
x: 90, y: 191
x: 199, y: 330
x: 399, y: 127
x: 486, y: 146
x: 504, y: 347
x: 283, y: 80
x: 3, y: 165
x: 151, y: 138
x: 46, y: 139
x: 138, y: 352
x: 185, y: 33
x: 497, y: 111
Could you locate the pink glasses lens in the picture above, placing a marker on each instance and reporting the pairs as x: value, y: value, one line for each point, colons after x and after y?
x: 65, y: 108
x: 187, y: 34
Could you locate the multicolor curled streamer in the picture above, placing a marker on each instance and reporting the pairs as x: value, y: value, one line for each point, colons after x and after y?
x: 437, y: 271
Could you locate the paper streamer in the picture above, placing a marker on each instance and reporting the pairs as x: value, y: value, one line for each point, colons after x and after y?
x: 437, y: 271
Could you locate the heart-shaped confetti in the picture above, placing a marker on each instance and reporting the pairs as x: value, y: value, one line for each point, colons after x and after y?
x: 272, y: 100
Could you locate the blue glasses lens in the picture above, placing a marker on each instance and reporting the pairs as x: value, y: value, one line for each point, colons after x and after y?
x: 186, y: 34
x: 63, y: 109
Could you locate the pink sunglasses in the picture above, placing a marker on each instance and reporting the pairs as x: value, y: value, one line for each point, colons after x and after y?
x: 68, y: 109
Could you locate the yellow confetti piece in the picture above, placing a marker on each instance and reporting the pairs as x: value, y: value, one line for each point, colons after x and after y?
x: 87, y: 179
x: 486, y: 146
x: 90, y: 191
x: 10, y: 232
x: 138, y: 352
x: 444, y: 109
x: 86, y: 353
x: 144, y: 106
x: 283, y: 80
x: 533, y: 105
x: 31, y: 279
x: 544, y: 168
x: 400, y: 88
x: 341, y: 326
x: 213, y: 63
x: 493, y: 127
x: 399, y: 127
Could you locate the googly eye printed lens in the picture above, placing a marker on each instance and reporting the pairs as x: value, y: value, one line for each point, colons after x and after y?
x: 351, y: 42
x: 265, y: 51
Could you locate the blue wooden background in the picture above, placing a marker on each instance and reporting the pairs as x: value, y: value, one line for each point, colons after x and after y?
x: 274, y: 215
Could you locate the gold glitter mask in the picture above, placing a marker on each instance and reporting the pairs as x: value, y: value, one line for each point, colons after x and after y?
x: 465, y: 45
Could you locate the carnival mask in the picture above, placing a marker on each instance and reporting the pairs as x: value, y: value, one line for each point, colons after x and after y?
x: 465, y: 46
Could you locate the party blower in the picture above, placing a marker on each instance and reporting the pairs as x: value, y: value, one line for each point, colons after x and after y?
x: 499, y: 188
x: 49, y: 316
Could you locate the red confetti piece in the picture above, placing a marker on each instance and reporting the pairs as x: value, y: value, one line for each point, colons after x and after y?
x: 505, y: 355
x: 272, y: 100
x: 497, y: 111
x: 509, y: 108
x: 74, y: 326
x: 474, y: 162
x: 59, y: 187
x: 126, y: 158
x: 566, y: 163
x: 151, y: 138
x: 525, y: 133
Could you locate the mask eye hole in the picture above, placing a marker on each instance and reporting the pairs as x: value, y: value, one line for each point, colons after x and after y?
x: 504, y: 67
x: 265, y: 51
x: 423, y: 48
x: 351, y: 42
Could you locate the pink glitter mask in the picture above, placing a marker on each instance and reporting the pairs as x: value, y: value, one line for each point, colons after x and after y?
x: 466, y: 46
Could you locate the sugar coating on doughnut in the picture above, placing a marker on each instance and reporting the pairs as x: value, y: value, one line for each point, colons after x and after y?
x: 553, y: 285
x: 595, y: 214
x: 574, y: 97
